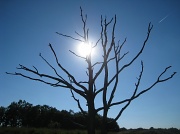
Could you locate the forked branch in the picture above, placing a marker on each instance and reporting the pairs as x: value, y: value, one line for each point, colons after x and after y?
x: 69, y: 75
x: 159, y: 79
x: 137, y: 55
x: 78, y: 102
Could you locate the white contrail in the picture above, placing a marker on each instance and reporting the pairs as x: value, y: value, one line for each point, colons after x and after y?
x: 163, y: 18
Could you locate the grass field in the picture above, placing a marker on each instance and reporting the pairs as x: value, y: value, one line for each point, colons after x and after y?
x: 38, y: 131
x: 9, y: 130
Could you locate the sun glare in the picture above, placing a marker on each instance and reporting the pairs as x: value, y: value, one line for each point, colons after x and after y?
x: 85, y: 49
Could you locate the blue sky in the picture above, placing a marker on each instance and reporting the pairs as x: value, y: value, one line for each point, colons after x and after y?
x: 27, y: 27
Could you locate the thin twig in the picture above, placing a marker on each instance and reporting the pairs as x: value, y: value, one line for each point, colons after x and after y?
x: 77, y: 55
x: 69, y: 37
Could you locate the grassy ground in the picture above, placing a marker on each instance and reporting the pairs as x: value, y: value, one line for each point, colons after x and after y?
x: 59, y: 131
x: 38, y: 131
x: 9, y: 130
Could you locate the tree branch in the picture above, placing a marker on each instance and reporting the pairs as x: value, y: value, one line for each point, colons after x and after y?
x: 84, y: 26
x: 134, y: 96
x: 104, y: 44
x: 58, y: 80
x: 77, y: 55
x: 63, y: 69
x: 79, y: 34
x: 52, y: 67
x: 138, y: 54
x: 36, y: 79
x: 69, y: 37
x: 116, y: 53
x: 78, y: 102
x: 135, y: 91
x: 147, y: 89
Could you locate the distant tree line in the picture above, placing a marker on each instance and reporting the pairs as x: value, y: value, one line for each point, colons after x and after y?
x: 24, y: 114
x: 151, y: 130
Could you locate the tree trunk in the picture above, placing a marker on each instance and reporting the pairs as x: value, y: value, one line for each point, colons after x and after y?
x: 104, y: 126
x: 91, y: 123
x: 90, y: 100
x: 91, y: 118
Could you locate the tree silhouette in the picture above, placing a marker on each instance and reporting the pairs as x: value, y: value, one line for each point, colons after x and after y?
x: 2, y: 116
x: 24, y: 114
x: 111, y: 54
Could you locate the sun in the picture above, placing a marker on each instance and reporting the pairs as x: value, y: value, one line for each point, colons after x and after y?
x: 85, y: 49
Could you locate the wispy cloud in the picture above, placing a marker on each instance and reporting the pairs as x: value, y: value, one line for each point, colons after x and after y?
x: 163, y: 18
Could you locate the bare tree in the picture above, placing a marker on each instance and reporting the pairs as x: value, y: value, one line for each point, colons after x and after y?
x: 112, y: 53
